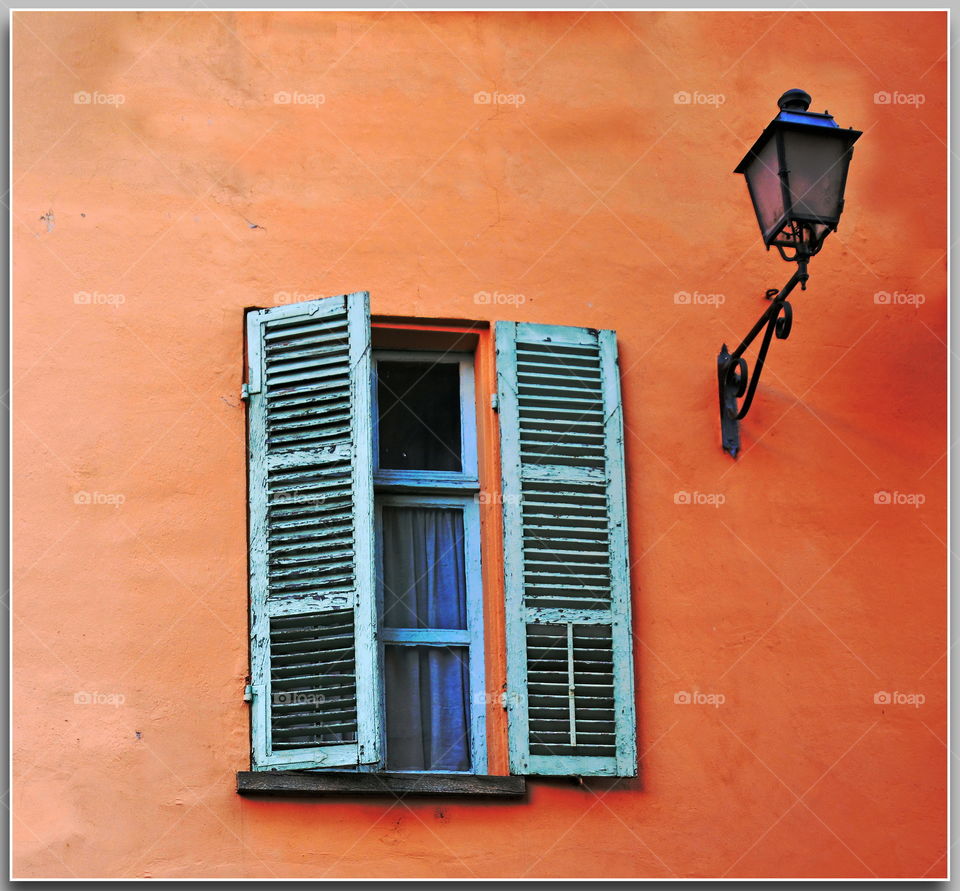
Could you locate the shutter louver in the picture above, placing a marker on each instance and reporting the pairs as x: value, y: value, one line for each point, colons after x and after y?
x: 313, y: 612
x: 569, y: 644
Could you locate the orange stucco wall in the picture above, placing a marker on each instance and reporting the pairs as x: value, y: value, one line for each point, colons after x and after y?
x: 594, y: 197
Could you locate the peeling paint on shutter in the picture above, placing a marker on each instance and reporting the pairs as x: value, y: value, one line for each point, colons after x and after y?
x: 569, y: 644
x: 312, y: 605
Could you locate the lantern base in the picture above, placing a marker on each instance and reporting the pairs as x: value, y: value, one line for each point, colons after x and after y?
x: 805, y: 238
x: 729, y: 389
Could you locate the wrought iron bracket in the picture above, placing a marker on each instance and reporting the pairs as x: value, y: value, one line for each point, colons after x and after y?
x: 734, y: 381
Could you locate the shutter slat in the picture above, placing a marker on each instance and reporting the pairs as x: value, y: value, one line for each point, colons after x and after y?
x: 309, y: 358
x: 313, y: 657
x: 291, y: 400
x: 569, y: 648
x: 288, y: 331
x: 319, y: 392
x: 561, y: 413
x: 586, y: 394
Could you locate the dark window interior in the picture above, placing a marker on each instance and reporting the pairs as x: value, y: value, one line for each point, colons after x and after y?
x: 419, y: 424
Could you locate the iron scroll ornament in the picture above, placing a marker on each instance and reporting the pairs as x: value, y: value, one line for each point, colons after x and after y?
x: 732, y: 372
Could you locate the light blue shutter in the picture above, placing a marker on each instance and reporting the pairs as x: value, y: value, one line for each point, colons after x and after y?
x: 314, y: 672
x: 569, y: 645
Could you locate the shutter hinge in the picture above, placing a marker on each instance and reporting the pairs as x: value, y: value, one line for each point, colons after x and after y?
x: 503, y: 699
x: 495, y: 402
x: 248, y: 693
x: 244, y: 392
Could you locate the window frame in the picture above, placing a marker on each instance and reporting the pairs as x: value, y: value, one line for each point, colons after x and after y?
x: 472, y: 637
x: 478, y: 357
x: 432, y: 488
x: 438, y: 480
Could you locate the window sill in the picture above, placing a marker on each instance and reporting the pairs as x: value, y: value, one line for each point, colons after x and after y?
x: 297, y: 782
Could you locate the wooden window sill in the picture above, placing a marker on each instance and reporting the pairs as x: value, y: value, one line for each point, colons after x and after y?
x: 299, y: 782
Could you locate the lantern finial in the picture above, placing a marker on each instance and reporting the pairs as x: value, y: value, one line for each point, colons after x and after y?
x: 794, y: 100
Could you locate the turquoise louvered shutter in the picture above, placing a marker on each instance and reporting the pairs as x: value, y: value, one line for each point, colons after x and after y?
x: 569, y: 644
x: 315, y: 679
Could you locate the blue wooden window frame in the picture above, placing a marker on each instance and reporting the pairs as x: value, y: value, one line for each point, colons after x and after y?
x: 418, y: 488
x: 471, y: 637
x: 437, y: 480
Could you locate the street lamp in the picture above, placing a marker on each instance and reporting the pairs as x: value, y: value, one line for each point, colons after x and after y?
x: 796, y: 173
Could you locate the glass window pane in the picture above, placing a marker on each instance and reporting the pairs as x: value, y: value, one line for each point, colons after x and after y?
x: 419, y: 424
x: 763, y: 175
x: 423, y: 575
x: 817, y: 164
x: 427, y: 704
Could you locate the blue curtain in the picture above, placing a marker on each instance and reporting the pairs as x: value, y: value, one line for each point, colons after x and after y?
x: 427, y: 708
x: 427, y: 687
x: 424, y: 583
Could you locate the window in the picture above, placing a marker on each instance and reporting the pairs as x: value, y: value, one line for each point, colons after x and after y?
x: 428, y: 561
x: 366, y: 596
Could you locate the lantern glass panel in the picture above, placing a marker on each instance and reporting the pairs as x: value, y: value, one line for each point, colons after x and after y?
x: 816, y: 163
x: 763, y: 178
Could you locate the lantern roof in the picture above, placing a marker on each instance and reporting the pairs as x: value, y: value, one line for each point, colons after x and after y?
x: 794, y: 115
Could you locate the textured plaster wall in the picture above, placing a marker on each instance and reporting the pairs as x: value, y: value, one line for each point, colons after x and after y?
x: 182, y: 192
